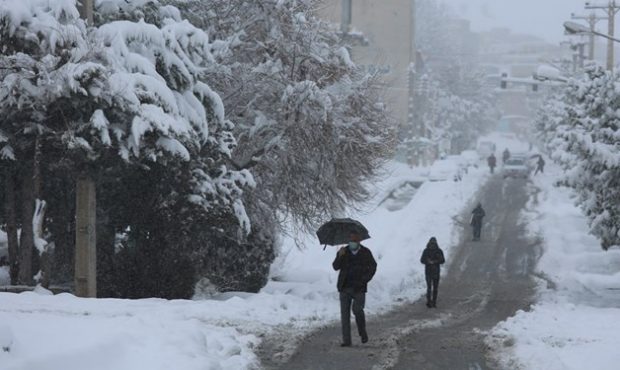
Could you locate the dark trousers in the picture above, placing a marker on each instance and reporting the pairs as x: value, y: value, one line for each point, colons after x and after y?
x: 351, y: 300
x: 432, y: 288
x: 477, y: 230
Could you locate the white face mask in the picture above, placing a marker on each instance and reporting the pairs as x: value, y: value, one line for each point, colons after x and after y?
x: 353, y: 246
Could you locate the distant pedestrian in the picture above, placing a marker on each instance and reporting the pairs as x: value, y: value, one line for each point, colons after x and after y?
x: 476, y: 221
x: 492, y: 161
x: 432, y: 258
x: 540, y: 165
x: 357, y: 267
x: 505, y: 156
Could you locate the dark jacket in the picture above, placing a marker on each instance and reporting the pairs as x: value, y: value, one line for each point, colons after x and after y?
x: 492, y: 161
x: 506, y: 155
x: 476, y: 216
x: 355, y: 270
x: 432, y: 258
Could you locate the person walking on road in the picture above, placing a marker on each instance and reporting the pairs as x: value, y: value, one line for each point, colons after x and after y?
x: 505, y: 156
x: 492, y: 161
x: 476, y: 221
x: 357, y: 266
x: 432, y: 258
x: 540, y: 165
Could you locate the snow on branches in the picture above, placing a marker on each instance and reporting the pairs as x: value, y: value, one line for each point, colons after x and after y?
x: 134, y: 84
x: 580, y: 127
x: 310, y: 125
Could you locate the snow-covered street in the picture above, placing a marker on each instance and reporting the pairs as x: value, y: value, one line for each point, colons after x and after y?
x: 309, y: 185
x: 573, y: 324
x: 53, y: 332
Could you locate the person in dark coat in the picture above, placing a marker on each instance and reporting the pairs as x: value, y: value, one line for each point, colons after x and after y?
x: 540, y: 165
x: 476, y: 221
x: 432, y: 258
x: 357, y: 266
x: 505, y: 155
x: 492, y: 161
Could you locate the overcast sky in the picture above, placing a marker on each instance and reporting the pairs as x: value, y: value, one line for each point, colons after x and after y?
x: 543, y: 18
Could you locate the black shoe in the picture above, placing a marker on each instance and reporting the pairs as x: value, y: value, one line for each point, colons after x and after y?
x: 429, y: 304
x: 434, y: 304
x: 365, y: 338
x: 345, y: 344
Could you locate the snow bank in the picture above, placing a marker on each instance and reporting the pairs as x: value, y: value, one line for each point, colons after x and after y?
x: 69, y: 333
x: 575, y: 323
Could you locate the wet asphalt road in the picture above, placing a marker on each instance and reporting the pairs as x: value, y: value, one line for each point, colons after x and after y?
x: 487, y: 282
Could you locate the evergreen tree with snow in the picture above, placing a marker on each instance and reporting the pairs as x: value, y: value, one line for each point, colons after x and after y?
x: 580, y: 127
x: 123, y: 97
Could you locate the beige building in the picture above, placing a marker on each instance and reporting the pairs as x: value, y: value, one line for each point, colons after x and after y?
x: 386, y: 25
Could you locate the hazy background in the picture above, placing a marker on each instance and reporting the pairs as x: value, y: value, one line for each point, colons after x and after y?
x: 543, y: 18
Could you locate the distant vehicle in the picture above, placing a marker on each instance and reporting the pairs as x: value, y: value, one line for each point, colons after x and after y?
x: 516, y: 168
x: 526, y: 158
x: 471, y: 158
x: 485, y: 148
x: 461, y: 162
x: 444, y: 169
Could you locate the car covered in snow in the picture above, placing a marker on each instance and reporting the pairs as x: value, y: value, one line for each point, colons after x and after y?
x: 445, y: 169
x: 516, y: 168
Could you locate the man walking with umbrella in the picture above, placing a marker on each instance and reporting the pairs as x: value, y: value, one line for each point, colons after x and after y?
x: 357, y: 267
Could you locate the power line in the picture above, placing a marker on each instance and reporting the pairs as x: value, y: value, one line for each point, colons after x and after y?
x: 612, y: 8
x: 592, y: 20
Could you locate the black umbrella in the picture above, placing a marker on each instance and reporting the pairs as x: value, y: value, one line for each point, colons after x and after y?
x: 338, y: 231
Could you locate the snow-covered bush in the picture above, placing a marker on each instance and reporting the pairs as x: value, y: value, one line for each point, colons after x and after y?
x: 580, y: 127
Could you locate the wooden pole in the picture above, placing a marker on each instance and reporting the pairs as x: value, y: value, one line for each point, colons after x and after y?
x: 85, y: 239
x: 86, y: 216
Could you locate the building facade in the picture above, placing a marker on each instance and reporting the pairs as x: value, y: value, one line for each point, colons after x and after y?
x: 387, y: 27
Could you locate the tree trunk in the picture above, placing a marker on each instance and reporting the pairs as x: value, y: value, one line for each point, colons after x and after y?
x: 26, y: 242
x: 11, y: 225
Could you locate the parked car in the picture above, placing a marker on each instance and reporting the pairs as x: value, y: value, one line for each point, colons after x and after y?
x: 445, y: 169
x: 471, y: 158
x: 461, y: 162
x: 515, y: 167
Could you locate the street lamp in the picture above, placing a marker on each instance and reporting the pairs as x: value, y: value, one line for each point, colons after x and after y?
x: 574, y: 28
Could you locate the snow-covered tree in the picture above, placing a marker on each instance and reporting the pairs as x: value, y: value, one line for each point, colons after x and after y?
x: 580, y: 128
x: 126, y: 94
x: 310, y: 125
x: 452, y: 102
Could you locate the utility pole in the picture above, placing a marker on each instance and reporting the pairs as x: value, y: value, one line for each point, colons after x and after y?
x: 411, y: 71
x: 345, y: 17
x: 86, y: 206
x: 611, y: 9
x: 592, y: 19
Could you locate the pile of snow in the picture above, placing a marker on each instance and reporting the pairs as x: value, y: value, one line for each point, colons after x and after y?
x: 575, y: 323
x: 69, y: 333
